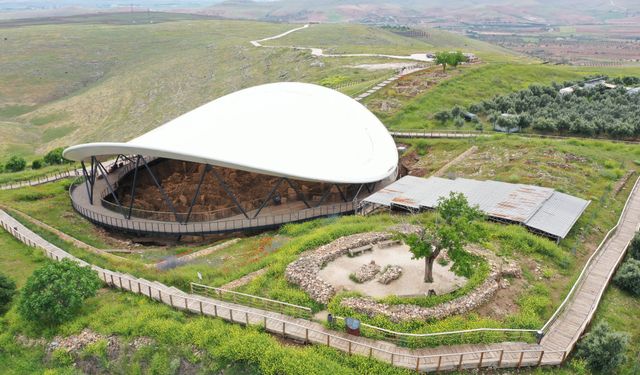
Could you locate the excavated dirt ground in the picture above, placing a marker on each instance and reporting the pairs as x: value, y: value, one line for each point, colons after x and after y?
x: 180, y: 180
x: 410, y: 283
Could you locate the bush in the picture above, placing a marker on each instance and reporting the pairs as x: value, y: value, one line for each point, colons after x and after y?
x: 55, y: 292
x: 7, y: 291
x: 36, y: 164
x: 628, y: 276
x: 603, y: 349
x: 54, y: 157
x: 634, y: 247
x: 16, y: 164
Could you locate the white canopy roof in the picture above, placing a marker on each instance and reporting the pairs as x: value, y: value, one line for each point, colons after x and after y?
x: 296, y: 130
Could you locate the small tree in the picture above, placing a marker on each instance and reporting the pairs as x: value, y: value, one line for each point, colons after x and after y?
x: 7, y: 291
x: 442, y: 58
x: 603, y: 349
x: 456, y: 58
x: 16, y: 164
x: 458, y: 122
x: 36, y: 164
x: 457, y: 225
x: 54, y: 157
x: 55, y: 292
x: 628, y: 276
x: 442, y: 116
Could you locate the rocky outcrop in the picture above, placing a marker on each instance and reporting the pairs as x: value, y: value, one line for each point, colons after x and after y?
x: 366, y: 272
x: 389, y: 273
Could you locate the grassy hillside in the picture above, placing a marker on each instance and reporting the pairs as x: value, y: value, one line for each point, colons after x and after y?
x: 66, y: 83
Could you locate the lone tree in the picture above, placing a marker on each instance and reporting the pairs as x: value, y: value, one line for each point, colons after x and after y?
x: 457, y: 224
x: 445, y: 58
x: 7, y: 290
x: 55, y: 292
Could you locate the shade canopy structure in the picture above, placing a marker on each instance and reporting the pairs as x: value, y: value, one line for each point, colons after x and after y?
x: 293, y: 130
x: 542, y: 210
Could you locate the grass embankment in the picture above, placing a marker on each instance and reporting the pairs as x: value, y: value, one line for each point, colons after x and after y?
x: 179, y: 340
x: 33, y: 174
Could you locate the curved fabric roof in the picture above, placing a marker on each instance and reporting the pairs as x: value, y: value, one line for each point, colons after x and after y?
x: 295, y: 130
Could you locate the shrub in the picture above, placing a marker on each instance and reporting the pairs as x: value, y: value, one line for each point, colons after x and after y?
x: 603, y: 349
x: 54, y: 157
x: 628, y: 276
x: 634, y: 247
x: 16, y: 164
x: 36, y: 164
x: 7, y: 291
x: 56, y: 291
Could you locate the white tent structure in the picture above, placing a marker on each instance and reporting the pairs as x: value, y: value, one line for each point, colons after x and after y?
x: 295, y: 132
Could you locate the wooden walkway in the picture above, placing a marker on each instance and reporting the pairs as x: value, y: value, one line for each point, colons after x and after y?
x: 42, y: 180
x: 561, y: 333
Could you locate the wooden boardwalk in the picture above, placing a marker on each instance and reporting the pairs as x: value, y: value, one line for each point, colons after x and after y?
x: 562, y: 331
x: 42, y: 180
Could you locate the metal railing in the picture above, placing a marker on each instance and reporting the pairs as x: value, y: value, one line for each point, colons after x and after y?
x: 420, y: 340
x: 251, y: 300
x: 455, y: 133
x: 589, y: 262
x: 41, y: 180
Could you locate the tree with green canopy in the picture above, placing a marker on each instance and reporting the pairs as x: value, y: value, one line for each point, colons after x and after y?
x: 457, y: 224
x: 55, y: 292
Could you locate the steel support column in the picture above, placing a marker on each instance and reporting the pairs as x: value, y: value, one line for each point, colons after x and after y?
x: 264, y: 203
x: 164, y: 194
x: 133, y: 186
x: 228, y: 191
x: 207, y: 167
x: 342, y: 195
x: 300, y: 195
x: 105, y: 174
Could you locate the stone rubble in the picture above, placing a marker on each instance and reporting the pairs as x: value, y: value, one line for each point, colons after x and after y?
x: 390, y: 273
x: 304, y: 271
x: 367, y: 272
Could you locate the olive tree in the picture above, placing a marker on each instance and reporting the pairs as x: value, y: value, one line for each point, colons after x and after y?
x: 457, y: 225
x: 56, y: 292
x: 628, y: 276
x: 603, y: 349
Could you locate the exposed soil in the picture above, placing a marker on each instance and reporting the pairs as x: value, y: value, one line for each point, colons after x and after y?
x: 180, y: 180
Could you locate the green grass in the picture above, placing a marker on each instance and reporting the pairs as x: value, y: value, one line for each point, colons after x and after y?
x: 207, y: 344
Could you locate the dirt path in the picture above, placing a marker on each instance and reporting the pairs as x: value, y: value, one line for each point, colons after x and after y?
x: 319, y: 52
x: 440, y: 172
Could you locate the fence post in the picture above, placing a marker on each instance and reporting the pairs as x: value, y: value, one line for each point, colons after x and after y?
x: 540, y: 359
x: 500, y: 359
x: 306, y: 335
x: 439, y: 363
x: 120, y: 281
x: 460, y: 362
x: 417, y: 364
x: 170, y: 299
x: 481, y: 357
x: 520, y: 360
x: 392, y: 355
x: 246, y: 318
x: 150, y: 296
x: 370, y: 351
x: 349, y: 347
x: 201, y: 312
x: 283, y: 329
x: 215, y: 310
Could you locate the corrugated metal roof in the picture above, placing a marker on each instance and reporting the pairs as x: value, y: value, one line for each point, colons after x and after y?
x: 539, y: 208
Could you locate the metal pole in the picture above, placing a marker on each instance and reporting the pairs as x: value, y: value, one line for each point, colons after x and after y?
x: 113, y: 193
x: 164, y: 194
x: 133, y: 187
x: 300, y: 195
x: 266, y: 201
x: 229, y: 192
x: 195, y: 196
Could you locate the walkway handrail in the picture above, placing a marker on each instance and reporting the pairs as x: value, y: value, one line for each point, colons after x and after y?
x: 455, y: 133
x: 41, y: 180
x: 580, y: 278
x: 255, y: 301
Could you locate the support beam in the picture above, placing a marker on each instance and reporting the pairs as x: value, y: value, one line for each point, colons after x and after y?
x: 164, y: 194
x: 133, y: 187
x: 206, y: 169
x: 342, y: 195
x: 266, y: 201
x: 105, y: 175
x: 325, y: 196
x: 300, y: 195
x: 88, y: 182
x: 228, y: 191
x: 358, y: 191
